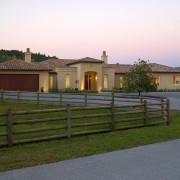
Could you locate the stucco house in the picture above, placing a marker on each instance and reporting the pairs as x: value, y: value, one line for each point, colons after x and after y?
x: 25, y: 76
x: 85, y: 74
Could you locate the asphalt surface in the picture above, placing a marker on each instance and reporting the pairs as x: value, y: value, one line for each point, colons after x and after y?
x: 174, y: 98
x: 103, y: 99
x: 151, y: 162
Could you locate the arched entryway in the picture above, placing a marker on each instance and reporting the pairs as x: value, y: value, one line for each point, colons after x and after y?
x: 90, y: 81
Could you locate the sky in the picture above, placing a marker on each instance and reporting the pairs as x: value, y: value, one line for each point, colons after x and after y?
x: 127, y: 30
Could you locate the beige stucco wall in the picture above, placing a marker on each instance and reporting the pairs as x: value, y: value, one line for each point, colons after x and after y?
x: 117, y: 80
x: 78, y: 74
x: 83, y: 68
x: 53, y: 81
x: 43, y: 77
x: 166, y: 80
x: 44, y: 81
x: 61, y: 77
x: 111, y: 76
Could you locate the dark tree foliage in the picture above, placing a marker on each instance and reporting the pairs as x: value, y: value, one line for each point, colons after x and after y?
x: 6, y: 55
x: 140, y: 78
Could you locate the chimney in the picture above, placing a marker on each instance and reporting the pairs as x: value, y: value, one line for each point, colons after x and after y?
x: 28, y: 55
x: 104, y: 57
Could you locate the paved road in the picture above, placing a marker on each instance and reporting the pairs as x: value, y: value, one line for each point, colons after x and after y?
x: 174, y: 98
x: 151, y: 162
x: 103, y: 99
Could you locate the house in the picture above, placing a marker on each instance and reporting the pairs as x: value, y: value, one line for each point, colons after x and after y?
x: 85, y: 74
x: 25, y: 76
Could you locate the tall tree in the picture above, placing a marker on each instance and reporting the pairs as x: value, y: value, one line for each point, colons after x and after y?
x: 6, y: 55
x: 140, y: 78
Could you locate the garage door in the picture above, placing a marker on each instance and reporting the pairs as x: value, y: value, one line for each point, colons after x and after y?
x: 22, y: 82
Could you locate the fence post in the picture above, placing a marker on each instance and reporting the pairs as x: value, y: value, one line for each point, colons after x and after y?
x: 60, y: 98
x: 145, y: 112
x: 18, y: 96
x: 112, y: 112
x: 9, y: 127
x: 85, y: 98
x: 37, y: 97
x: 112, y: 116
x: 164, y: 118
x: 168, y: 111
x: 2, y: 93
x: 68, y: 124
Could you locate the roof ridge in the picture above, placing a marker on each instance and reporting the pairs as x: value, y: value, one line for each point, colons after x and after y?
x: 21, y: 65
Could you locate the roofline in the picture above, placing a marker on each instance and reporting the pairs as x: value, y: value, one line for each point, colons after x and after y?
x: 83, y: 62
x: 151, y: 72
x: 165, y: 72
x: 25, y: 70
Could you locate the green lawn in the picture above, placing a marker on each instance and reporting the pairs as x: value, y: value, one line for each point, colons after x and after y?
x: 57, y: 150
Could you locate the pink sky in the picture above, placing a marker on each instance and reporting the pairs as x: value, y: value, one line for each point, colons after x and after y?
x: 127, y: 30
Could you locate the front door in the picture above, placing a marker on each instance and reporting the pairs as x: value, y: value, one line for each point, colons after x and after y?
x: 87, y: 82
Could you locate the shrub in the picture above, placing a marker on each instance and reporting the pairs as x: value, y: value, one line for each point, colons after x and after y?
x: 53, y: 90
x: 106, y: 90
x: 117, y: 90
x: 71, y: 90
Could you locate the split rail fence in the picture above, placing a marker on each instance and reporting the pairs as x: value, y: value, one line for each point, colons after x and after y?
x: 38, y: 125
x: 80, y: 99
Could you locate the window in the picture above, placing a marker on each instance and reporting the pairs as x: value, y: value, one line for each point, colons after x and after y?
x: 67, y: 80
x: 120, y: 82
x: 105, y: 81
x: 51, y: 82
x: 176, y: 79
x: 157, y: 80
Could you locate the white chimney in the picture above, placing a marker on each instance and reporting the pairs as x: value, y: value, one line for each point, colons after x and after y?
x: 28, y: 55
x: 104, y: 57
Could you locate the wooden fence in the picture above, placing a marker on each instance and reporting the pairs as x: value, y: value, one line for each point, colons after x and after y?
x: 84, y: 99
x: 39, y: 125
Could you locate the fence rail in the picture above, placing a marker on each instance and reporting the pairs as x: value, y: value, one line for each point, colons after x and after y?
x: 18, y: 127
x: 84, y: 99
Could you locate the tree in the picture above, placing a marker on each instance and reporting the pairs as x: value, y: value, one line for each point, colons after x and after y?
x: 6, y: 55
x: 140, y: 78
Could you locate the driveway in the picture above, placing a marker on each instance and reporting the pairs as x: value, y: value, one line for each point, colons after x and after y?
x: 151, y: 162
x: 104, y: 98
x: 174, y: 98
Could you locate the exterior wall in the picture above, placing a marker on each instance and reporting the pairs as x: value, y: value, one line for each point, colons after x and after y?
x: 44, y: 81
x: 117, y: 80
x: 83, y: 68
x: 111, y: 76
x: 78, y: 74
x: 43, y: 77
x: 52, y: 81
x: 166, y: 80
x: 61, y: 77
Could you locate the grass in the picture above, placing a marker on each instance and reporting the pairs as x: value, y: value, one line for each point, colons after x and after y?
x: 27, y: 155
x: 60, y: 123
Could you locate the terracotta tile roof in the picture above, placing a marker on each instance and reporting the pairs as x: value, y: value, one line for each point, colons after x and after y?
x: 162, y: 68
x: 86, y: 60
x: 51, y: 64
x: 55, y: 63
x: 125, y: 68
x: 119, y: 68
x: 20, y: 65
